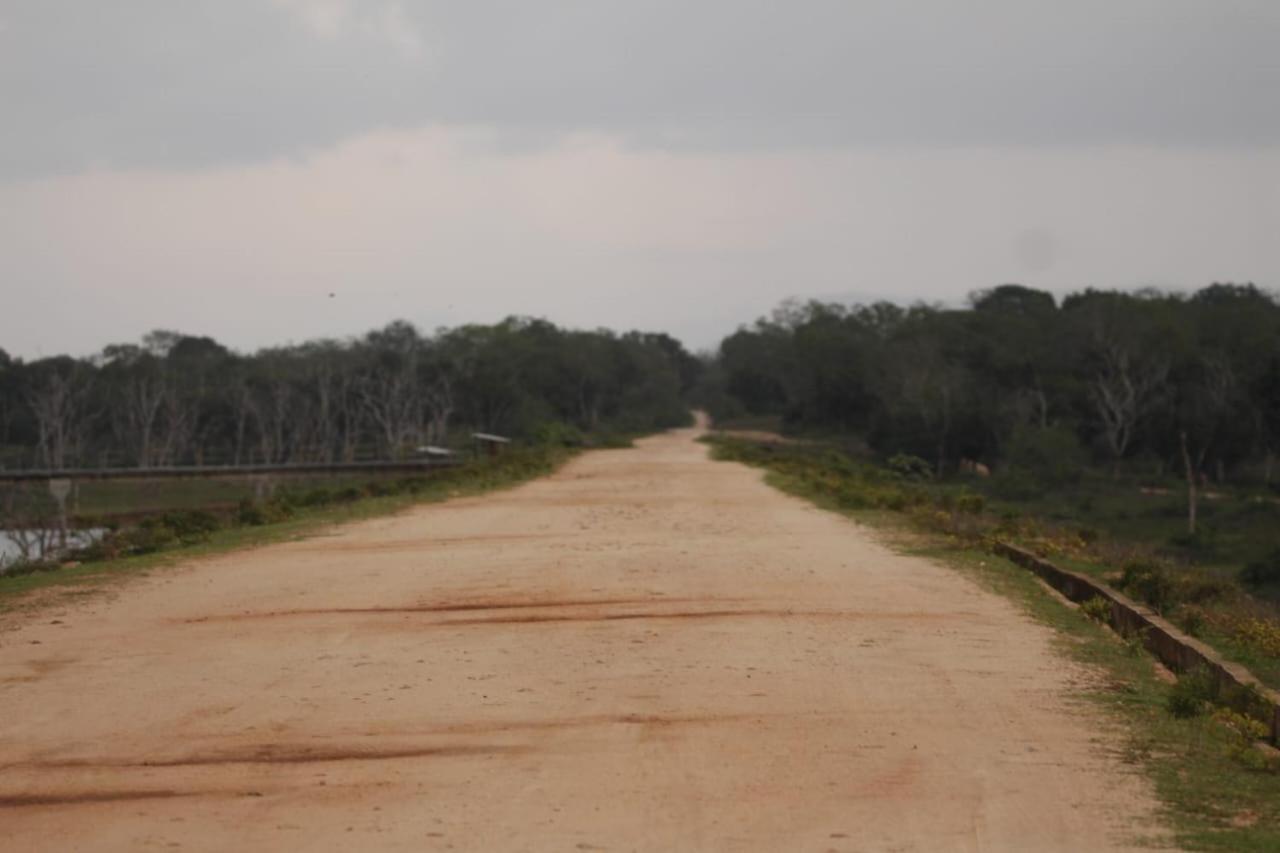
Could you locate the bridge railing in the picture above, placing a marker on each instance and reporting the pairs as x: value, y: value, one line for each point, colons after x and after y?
x: 198, y: 471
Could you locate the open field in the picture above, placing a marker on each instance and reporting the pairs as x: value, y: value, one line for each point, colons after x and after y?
x: 647, y: 649
x: 1116, y: 525
x: 1237, y: 524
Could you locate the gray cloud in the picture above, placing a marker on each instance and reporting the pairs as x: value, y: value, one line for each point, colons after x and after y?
x: 153, y: 83
x: 222, y: 166
x: 435, y: 226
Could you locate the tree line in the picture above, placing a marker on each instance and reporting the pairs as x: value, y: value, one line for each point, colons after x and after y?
x: 178, y: 399
x: 1153, y: 380
x: 1146, y: 380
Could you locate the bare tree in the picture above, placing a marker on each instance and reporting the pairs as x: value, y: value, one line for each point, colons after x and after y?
x: 59, y: 404
x: 348, y: 415
x: 389, y: 385
x: 1124, y: 390
x: 177, y: 424
x: 134, y: 415
x: 242, y: 399
x: 270, y: 406
x: 446, y: 364
x: 333, y: 428
x: 32, y: 543
x: 390, y: 397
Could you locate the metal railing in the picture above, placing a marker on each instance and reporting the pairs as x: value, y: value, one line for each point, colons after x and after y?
x: 199, y: 471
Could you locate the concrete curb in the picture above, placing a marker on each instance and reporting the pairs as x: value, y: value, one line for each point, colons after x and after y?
x: 1174, y: 648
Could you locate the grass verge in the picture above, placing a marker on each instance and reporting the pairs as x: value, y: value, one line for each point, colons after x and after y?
x: 510, y: 469
x: 1243, y: 627
x: 1218, y: 791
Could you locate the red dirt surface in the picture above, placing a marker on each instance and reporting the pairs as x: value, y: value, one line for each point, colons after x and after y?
x: 645, y: 651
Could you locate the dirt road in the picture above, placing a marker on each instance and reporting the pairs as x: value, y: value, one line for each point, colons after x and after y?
x: 646, y: 651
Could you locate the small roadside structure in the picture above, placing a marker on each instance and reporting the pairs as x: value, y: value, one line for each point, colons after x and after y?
x: 435, y: 452
x: 488, y: 444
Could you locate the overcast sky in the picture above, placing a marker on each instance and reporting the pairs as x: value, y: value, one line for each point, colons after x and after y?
x: 266, y: 171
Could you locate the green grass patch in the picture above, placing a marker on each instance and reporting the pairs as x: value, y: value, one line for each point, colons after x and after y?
x: 1237, y: 523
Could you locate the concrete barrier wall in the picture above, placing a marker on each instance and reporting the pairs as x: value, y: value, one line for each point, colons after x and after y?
x: 1174, y: 648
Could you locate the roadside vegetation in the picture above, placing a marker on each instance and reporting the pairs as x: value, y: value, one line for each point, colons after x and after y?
x: 1217, y: 608
x: 393, y: 394
x: 167, y: 537
x: 1133, y: 436
x: 1087, y: 406
x: 1221, y: 789
x: 174, y: 399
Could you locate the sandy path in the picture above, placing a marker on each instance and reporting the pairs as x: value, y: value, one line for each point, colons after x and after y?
x: 647, y: 651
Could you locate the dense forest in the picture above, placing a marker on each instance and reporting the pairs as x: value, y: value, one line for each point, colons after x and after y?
x: 1148, y: 381
x: 175, y: 399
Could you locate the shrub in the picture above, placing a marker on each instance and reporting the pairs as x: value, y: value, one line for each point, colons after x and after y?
x: 108, y: 547
x: 250, y: 513
x: 1246, y: 731
x: 898, y: 502
x: 193, y: 525
x: 316, y: 497
x: 903, y: 499
x: 1203, y: 590
x: 411, y: 485
x: 28, y: 567
x: 378, y: 488
x: 1261, y: 634
x: 1098, y: 609
x: 1156, y: 586
x: 148, y: 537
x: 270, y: 512
x: 1191, y: 694
x: 279, y: 509
x: 349, y: 494
x: 156, y: 533
x: 1246, y: 699
x: 557, y: 434
x: 1135, y: 639
x: 1191, y: 619
x: 1182, y: 705
x: 1149, y: 583
x: 909, y: 467
x: 1246, y: 728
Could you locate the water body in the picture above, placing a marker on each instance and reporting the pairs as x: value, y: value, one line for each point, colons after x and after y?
x: 10, y: 552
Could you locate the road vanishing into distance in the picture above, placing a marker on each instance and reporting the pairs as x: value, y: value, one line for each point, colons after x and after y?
x: 647, y: 650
